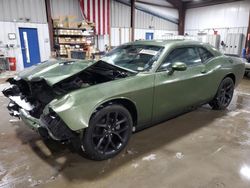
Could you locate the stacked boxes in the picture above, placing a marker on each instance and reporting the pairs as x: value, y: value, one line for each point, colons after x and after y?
x: 73, y: 35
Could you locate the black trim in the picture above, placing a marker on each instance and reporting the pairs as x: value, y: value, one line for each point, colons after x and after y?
x: 204, y: 62
x: 55, y: 126
x: 180, y: 47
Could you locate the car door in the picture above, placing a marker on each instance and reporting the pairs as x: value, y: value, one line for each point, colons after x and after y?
x: 177, y: 92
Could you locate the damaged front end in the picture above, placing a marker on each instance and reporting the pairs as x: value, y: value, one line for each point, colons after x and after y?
x: 30, y: 98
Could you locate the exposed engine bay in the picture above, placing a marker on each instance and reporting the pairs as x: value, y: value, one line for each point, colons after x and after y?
x: 33, y: 96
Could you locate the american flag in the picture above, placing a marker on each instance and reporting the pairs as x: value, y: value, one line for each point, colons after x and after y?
x: 97, y: 11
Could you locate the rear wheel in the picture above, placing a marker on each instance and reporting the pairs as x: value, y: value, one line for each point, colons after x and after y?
x: 224, y: 94
x: 108, y: 132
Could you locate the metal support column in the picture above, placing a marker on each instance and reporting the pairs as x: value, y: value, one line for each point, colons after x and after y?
x: 50, y: 24
x: 132, y: 23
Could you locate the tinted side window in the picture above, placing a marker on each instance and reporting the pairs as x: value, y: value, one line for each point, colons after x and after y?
x: 187, y: 55
x: 205, y: 55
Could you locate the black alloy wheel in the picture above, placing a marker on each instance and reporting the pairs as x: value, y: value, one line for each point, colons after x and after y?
x: 224, y: 94
x: 108, y: 133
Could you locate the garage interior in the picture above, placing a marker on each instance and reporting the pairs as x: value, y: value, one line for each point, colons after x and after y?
x: 201, y: 148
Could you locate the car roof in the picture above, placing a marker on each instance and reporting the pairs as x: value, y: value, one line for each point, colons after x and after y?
x: 165, y: 43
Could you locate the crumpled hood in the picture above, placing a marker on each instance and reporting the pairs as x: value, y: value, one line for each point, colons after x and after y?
x: 54, y: 71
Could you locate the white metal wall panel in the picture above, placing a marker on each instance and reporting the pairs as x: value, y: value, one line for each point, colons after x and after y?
x: 146, y: 21
x: 102, y: 41
x: 223, y: 32
x: 227, y: 15
x: 65, y: 8
x: 120, y: 17
x: 225, y: 18
x: 120, y: 14
x: 170, y: 13
x: 120, y: 36
x: 19, y: 10
x: 12, y: 27
x: 123, y: 36
x: 140, y: 34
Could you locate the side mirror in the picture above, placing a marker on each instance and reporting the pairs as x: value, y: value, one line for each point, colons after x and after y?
x: 179, y: 66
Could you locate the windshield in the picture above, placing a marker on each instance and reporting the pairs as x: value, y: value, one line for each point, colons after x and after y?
x: 139, y: 58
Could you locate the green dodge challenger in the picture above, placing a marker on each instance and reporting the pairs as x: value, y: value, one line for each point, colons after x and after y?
x: 97, y: 105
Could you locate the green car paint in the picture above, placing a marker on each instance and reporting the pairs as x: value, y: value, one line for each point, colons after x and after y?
x: 156, y: 95
x: 54, y: 71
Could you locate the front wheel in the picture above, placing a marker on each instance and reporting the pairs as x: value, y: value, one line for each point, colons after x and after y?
x: 224, y: 95
x: 108, y: 132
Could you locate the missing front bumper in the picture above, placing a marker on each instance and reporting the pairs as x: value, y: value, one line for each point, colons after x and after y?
x: 57, y: 129
x: 49, y: 122
x: 30, y: 121
x: 54, y: 126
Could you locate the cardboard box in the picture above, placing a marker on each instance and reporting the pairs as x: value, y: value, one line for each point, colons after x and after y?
x: 72, y: 18
x: 73, y: 25
x: 56, y: 22
x: 61, y: 40
x: 64, y: 22
x: 67, y: 22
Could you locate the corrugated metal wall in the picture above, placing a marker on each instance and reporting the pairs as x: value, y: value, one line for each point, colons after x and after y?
x: 226, y: 15
x: 13, y: 27
x: 123, y: 35
x: 20, y: 10
x: 120, y: 17
x: 225, y: 18
x: 65, y: 8
x: 145, y: 21
x: 120, y: 14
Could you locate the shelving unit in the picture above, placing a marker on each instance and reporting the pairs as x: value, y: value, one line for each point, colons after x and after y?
x: 73, y: 39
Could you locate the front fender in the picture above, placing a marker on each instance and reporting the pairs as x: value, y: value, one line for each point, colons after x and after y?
x: 76, y: 107
x: 75, y: 114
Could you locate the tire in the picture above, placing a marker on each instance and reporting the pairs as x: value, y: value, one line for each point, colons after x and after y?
x: 108, y: 133
x: 224, y: 95
x: 43, y: 133
x: 247, y: 74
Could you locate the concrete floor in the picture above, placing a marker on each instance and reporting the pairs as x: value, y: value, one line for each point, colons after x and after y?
x: 203, y: 148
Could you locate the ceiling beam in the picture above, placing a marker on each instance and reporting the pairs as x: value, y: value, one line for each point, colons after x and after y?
x: 196, y: 4
x: 153, y: 4
x: 176, y: 3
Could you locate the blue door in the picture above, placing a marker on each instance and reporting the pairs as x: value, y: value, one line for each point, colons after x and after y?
x: 29, y: 46
x: 149, y: 36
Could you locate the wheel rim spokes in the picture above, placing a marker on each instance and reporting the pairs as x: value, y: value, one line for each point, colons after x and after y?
x: 110, y: 132
x: 119, y: 136
x: 226, y: 94
x: 121, y: 121
x: 100, y: 142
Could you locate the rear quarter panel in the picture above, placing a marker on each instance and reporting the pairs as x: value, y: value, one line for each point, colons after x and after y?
x: 220, y: 67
